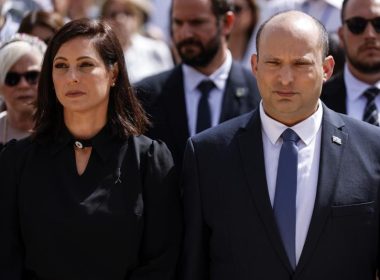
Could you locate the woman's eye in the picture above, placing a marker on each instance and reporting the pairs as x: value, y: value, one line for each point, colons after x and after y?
x: 86, y: 64
x: 60, y: 65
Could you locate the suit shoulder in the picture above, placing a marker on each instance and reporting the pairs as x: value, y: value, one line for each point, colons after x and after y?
x: 223, y: 132
x: 360, y: 128
x: 151, y: 88
x: 154, y: 82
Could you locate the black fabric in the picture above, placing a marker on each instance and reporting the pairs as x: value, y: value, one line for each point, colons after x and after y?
x: 119, y: 220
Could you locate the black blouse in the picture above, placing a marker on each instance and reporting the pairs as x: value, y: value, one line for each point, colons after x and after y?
x: 119, y: 220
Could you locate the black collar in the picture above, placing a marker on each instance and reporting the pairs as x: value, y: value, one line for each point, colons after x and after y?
x: 103, y: 142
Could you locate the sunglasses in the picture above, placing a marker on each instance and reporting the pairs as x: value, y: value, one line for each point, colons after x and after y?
x: 357, y: 25
x: 13, y: 78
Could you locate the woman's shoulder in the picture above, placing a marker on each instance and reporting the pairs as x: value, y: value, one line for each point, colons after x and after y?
x: 13, y: 155
x: 154, y: 148
x: 15, y: 148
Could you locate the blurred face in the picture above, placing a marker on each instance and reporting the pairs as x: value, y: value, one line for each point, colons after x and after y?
x: 42, y: 32
x: 245, y: 17
x: 362, y: 49
x: 290, y: 69
x: 20, y: 88
x: 125, y: 17
x: 195, y: 31
x: 81, y: 80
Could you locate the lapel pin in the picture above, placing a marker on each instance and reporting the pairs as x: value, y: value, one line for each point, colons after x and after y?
x: 240, y: 92
x: 337, y: 140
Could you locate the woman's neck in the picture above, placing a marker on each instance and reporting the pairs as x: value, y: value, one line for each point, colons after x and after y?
x: 84, y: 126
x: 21, y: 121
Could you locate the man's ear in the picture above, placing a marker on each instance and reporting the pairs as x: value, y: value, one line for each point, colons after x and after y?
x: 328, y: 67
x: 254, y: 60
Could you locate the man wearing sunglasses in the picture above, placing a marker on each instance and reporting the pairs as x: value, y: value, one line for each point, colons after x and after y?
x: 356, y: 91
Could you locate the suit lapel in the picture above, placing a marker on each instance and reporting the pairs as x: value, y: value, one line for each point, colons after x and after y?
x: 234, y: 95
x: 333, y: 142
x: 252, y: 155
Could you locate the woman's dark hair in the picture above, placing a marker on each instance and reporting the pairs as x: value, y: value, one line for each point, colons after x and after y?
x: 50, y: 20
x: 125, y: 114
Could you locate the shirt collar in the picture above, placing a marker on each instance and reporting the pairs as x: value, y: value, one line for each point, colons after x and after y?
x: 103, y: 142
x: 355, y: 87
x: 192, y: 77
x: 306, y: 130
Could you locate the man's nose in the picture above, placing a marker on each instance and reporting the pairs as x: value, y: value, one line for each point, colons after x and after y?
x: 186, y: 31
x: 286, y: 75
x: 369, y: 31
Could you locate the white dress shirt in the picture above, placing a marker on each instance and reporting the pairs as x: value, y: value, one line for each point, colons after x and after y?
x: 356, y: 101
x: 192, y: 78
x: 309, y: 148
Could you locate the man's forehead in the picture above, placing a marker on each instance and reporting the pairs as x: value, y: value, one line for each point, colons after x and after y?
x: 364, y: 8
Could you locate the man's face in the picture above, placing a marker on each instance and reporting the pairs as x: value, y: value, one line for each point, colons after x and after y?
x: 290, y: 69
x: 362, y: 50
x: 195, y: 31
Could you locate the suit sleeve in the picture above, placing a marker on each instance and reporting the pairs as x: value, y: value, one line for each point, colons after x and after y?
x: 162, y: 235
x: 11, y: 246
x: 194, y: 261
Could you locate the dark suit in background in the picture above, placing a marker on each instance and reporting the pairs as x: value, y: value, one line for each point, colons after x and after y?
x: 163, y: 98
x: 361, y: 62
x: 334, y: 94
x: 231, y: 231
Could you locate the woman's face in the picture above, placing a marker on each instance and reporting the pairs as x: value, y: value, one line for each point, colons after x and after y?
x: 244, y: 16
x: 81, y: 80
x: 19, y: 90
x: 124, y: 17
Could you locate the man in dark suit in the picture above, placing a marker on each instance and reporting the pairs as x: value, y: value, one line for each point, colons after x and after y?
x: 288, y: 191
x: 355, y: 90
x: 173, y: 99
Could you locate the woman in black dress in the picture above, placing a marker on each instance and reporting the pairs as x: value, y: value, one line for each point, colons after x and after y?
x: 87, y: 196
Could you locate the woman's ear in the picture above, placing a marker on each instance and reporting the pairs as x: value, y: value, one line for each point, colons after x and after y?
x: 114, y: 73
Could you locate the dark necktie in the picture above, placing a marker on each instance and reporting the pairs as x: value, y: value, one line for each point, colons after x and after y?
x: 204, y: 112
x: 284, y: 205
x: 371, y: 114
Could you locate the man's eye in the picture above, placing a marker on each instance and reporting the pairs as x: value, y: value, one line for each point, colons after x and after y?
x: 272, y: 62
x: 302, y: 63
